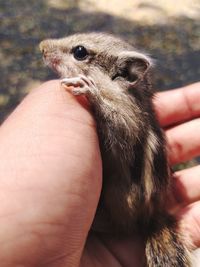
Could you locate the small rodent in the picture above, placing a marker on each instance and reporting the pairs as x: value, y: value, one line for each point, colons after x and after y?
x: 116, y: 79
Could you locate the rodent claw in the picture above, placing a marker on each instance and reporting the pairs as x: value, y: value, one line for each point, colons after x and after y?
x: 80, y: 91
x: 88, y: 80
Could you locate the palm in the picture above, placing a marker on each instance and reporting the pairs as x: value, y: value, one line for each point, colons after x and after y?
x: 105, y: 252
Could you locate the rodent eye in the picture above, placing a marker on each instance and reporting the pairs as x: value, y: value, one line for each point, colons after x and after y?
x: 80, y: 52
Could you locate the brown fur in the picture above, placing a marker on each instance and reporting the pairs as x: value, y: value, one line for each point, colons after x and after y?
x: 136, y: 176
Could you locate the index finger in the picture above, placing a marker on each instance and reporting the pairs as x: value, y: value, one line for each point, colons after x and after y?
x: 176, y: 106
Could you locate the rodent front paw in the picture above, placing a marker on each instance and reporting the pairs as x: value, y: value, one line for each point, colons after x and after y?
x: 81, y: 84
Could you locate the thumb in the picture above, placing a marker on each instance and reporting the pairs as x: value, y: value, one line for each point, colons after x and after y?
x: 50, y: 173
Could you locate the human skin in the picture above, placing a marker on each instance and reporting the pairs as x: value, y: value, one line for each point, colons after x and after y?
x: 51, y: 175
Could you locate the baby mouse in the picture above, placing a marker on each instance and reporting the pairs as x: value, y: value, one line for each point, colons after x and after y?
x: 116, y: 79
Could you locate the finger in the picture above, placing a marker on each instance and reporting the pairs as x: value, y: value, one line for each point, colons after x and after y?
x: 186, y: 186
x: 183, y: 141
x: 50, y: 177
x: 178, y: 105
x: 190, y: 223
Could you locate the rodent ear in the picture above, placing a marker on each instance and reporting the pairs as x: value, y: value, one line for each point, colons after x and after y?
x: 132, y: 66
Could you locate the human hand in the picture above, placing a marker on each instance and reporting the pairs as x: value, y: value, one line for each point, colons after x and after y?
x: 178, y: 112
x: 49, y: 196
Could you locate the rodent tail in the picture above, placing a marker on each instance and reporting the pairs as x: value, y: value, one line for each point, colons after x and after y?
x: 165, y: 247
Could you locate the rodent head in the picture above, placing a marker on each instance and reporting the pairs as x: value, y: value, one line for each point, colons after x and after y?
x: 85, y: 53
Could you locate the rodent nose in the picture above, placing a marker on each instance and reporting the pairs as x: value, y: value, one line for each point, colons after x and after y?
x: 43, y: 47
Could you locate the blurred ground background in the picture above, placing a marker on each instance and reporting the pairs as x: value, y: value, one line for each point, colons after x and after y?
x: 168, y: 30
